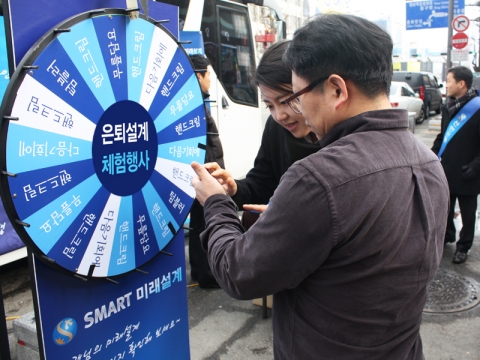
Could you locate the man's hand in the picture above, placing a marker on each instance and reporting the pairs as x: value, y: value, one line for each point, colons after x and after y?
x: 255, y: 208
x: 223, y: 177
x: 468, y: 173
x: 205, y: 185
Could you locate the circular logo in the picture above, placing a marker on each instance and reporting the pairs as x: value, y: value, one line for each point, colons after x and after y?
x: 65, y: 331
x: 461, y: 23
x: 124, y: 148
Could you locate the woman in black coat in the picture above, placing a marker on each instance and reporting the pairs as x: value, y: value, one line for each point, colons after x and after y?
x: 286, y: 138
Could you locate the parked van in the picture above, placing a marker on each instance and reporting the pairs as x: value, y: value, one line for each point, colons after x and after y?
x: 427, y: 87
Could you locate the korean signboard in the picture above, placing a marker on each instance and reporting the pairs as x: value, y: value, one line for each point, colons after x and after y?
x: 430, y: 14
x: 144, y: 316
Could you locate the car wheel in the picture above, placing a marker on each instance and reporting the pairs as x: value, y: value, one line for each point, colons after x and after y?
x: 420, y: 119
x: 439, y: 110
x: 426, y: 114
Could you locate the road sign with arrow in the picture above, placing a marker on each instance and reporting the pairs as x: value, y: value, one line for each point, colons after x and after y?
x: 460, y: 23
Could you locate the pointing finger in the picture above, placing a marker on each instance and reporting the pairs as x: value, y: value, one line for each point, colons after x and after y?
x: 199, y: 170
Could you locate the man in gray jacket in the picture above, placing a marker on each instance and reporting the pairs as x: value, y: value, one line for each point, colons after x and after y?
x: 354, y: 232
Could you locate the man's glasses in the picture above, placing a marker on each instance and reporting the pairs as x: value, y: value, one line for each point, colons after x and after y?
x: 294, y: 101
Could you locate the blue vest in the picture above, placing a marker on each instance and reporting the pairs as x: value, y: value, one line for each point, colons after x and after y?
x: 458, y: 121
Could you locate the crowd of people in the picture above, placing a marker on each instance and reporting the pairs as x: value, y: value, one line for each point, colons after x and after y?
x: 355, y: 210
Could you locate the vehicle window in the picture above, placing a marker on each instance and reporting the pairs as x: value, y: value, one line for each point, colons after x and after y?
x: 410, y: 90
x: 417, y: 81
x: 236, y: 56
x: 426, y: 80
x: 209, y: 34
x: 407, y: 92
x: 393, y: 89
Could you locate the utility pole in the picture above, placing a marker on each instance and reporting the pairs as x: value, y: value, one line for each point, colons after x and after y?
x: 450, y: 34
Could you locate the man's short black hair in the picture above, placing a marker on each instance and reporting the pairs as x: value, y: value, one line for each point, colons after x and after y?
x: 346, y: 45
x: 462, y: 73
x: 199, y: 62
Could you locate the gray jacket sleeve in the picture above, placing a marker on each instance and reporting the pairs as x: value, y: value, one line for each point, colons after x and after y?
x: 291, y: 239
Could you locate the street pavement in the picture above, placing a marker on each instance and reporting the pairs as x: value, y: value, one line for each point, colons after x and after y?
x: 222, y: 328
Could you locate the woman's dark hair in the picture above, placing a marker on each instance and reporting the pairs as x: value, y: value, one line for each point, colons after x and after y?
x: 272, y: 71
x: 199, y: 62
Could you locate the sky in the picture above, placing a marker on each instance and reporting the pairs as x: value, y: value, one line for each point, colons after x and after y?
x: 429, y: 44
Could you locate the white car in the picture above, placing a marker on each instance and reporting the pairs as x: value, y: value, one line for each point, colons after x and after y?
x: 402, y: 96
x: 443, y: 90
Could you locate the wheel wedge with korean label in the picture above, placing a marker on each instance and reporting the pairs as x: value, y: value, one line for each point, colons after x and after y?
x: 100, y: 124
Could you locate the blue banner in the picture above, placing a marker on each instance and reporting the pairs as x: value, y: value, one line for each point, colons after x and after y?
x: 458, y: 121
x: 30, y: 20
x: 9, y: 239
x: 196, y: 45
x: 430, y: 14
x: 4, y: 73
x: 143, y: 317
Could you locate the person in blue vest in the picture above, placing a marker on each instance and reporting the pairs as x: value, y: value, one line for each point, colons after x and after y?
x: 458, y: 148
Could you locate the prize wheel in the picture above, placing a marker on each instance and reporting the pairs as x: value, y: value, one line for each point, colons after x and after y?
x: 100, y: 124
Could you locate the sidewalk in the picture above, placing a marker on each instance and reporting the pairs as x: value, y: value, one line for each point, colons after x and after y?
x: 223, y: 328
x: 456, y: 335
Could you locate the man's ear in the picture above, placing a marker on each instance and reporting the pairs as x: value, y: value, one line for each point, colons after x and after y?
x: 338, y: 88
x: 199, y: 76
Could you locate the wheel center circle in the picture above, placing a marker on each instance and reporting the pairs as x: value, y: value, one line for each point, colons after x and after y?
x: 125, y: 147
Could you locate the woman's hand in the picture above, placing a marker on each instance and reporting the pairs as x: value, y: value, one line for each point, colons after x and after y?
x: 255, y: 208
x: 223, y: 177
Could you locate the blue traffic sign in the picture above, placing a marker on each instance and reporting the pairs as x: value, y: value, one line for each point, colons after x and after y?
x: 430, y: 14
